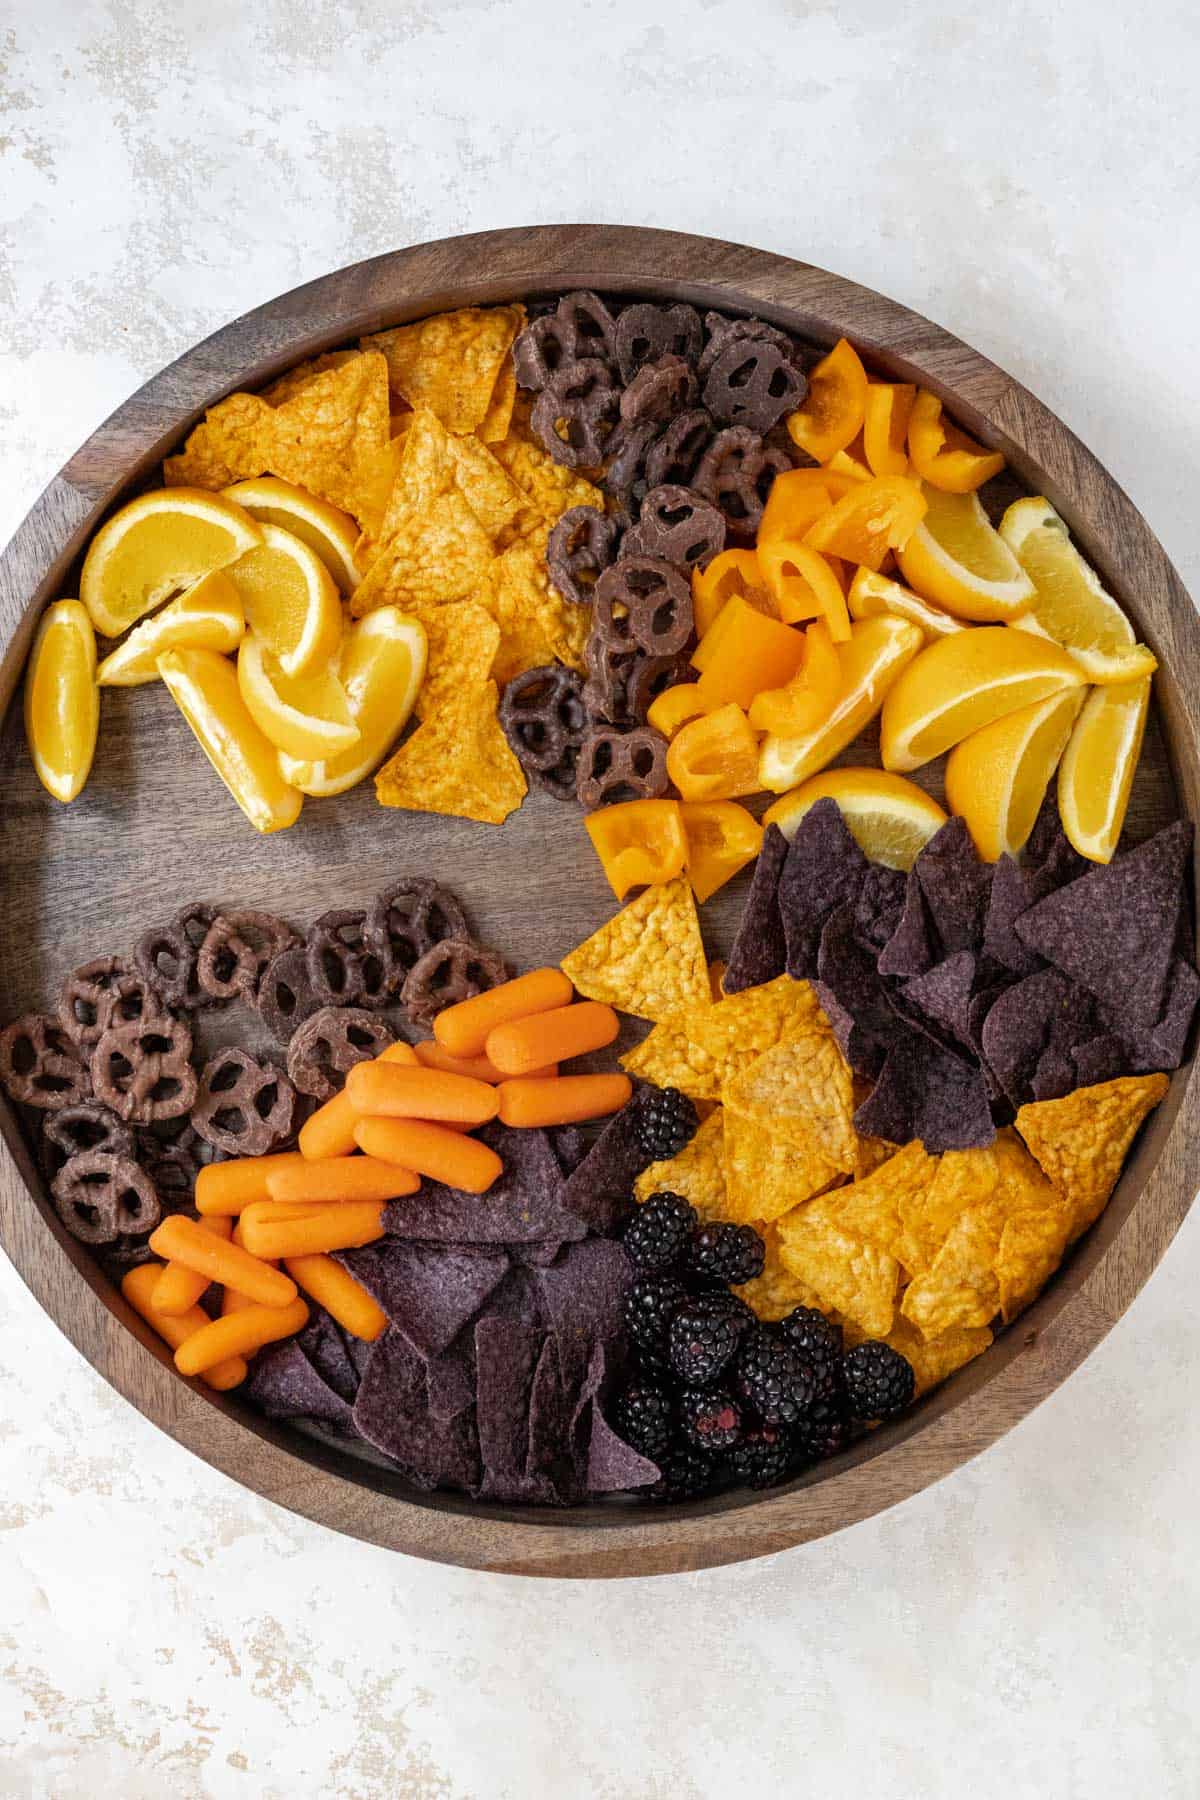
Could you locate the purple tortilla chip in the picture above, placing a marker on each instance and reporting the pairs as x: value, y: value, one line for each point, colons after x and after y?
x: 523, y: 1205
x: 909, y: 950
x: 1011, y: 896
x: 283, y: 1384
x: 450, y: 1377
x: 824, y: 870
x: 1101, y: 1059
x: 549, y: 1456
x: 360, y: 1352
x: 864, y: 1054
x: 1164, y: 1044
x: 392, y: 1412
x: 428, y: 1291
x: 1114, y: 929
x: 570, y: 1146
x: 943, y: 994
x: 324, y: 1343
x: 583, y: 1296
x: 928, y: 1094
x: 956, y: 886
x: 1050, y: 860
x: 613, y: 1465
x: 600, y: 1191
x: 759, y: 950
x: 848, y: 977
x: 1042, y: 1013
x: 1054, y: 1075
x: 535, y: 1256
x: 506, y: 1353
x: 880, y: 905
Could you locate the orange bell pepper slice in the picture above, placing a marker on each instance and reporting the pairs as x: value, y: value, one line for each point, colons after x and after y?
x: 833, y: 410
x: 751, y: 653
x: 806, y: 584
x: 732, y: 572
x: 852, y: 461
x: 640, y: 843
x: 879, y: 516
x: 944, y: 456
x: 716, y: 757
x: 675, y: 706
x: 722, y: 838
x: 806, y: 701
x: 885, y: 426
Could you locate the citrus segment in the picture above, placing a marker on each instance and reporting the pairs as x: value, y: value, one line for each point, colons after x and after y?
x: 872, y: 594
x: 306, y: 715
x: 62, y: 702
x: 207, y: 616
x: 205, y: 688
x: 944, y: 456
x: 833, y: 409
x: 1096, y: 772
x: 891, y: 818
x: 331, y: 533
x: 159, y: 543
x: 997, y: 778
x: 871, y: 660
x: 381, y: 668
x: 291, y: 601
x: 1070, y: 604
x: 962, y: 683
x: 958, y: 561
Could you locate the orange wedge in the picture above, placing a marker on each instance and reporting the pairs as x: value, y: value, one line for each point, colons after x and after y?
x: 1070, y: 604
x: 331, y: 533
x: 875, y: 654
x: 891, y: 818
x: 1096, y: 772
x: 872, y: 594
x: 208, y: 616
x: 306, y: 715
x: 205, y: 688
x: 997, y: 778
x: 161, y: 542
x: 958, y: 561
x: 961, y: 683
x: 380, y: 670
x: 62, y: 703
x: 291, y: 601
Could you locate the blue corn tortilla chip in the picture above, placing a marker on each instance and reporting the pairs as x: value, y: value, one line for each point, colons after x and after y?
x: 981, y: 1004
x: 1012, y: 894
x: 1102, y: 1058
x: 1114, y: 930
x: 537, y: 1255
x: 1054, y: 1075
x: 549, y: 1456
x: 1049, y: 859
x: 450, y: 1377
x: 880, y: 905
x: 849, y: 987
x: 943, y: 994
x: 328, y: 1349
x: 1043, y: 1016
x: 1164, y: 1044
x: 955, y: 886
x: 929, y: 1094
x: 428, y: 1291
x: 570, y: 1146
x: 910, y: 948
x: 284, y: 1384
x: 825, y: 869
x: 506, y: 1354
x: 759, y: 952
x: 582, y: 1295
x: 612, y: 1464
x: 599, y: 1190
x: 392, y: 1412
x: 523, y: 1205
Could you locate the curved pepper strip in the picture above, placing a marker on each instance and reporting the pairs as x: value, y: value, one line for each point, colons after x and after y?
x: 640, y: 843
x: 805, y: 702
x: 804, y: 584
x: 833, y: 409
x: 716, y: 757
x: 944, y: 456
x: 675, y: 706
x: 722, y: 837
x: 878, y: 516
x: 751, y: 653
x: 885, y: 426
x: 732, y: 572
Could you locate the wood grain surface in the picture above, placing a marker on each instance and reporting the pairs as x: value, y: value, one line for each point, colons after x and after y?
x: 155, y: 829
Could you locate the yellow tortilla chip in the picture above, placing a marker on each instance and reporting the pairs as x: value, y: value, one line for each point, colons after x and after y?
x: 649, y: 959
x: 536, y: 625
x: 766, y: 1176
x: 451, y: 363
x: 549, y: 488
x: 801, y: 1092
x: 231, y: 443
x: 701, y: 1052
x: 934, y: 1360
x: 289, y: 385
x: 488, y: 490
x: 960, y: 1287
x: 458, y: 762
x: 698, y: 1172
x: 1031, y: 1247
x: 463, y: 639
x: 496, y: 423
x: 1081, y: 1140
x: 870, y: 1153
x: 872, y: 1208
x: 850, y: 1277
x: 776, y: 1292
x: 956, y: 1181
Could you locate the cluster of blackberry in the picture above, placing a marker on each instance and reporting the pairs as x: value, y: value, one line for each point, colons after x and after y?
x: 718, y: 1395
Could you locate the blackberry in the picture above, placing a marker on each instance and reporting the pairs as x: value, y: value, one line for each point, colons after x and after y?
x: 649, y: 1304
x: 763, y: 1457
x: 820, y: 1340
x: 709, y: 1420
x: 823, y: 1429
x: 776, y: 1379
x: 879, y: 1381
x: 684, y: 1473
x: 727, y: 1253
x: 659, y: 1233
x: 702, y: 1339
x: 666, y: 1121
x: 642, y: 1416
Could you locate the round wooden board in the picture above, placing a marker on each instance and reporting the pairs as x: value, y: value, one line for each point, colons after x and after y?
x: 155, y: 829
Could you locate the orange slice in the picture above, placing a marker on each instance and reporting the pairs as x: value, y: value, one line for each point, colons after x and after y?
x: 958, y: 561
x: 381, y: 668
x: 161, y: 542
x: 291, y: 601
x: 997, y: 778
x: 208, y: 616
x: 62, y: 702
x: 205, y: 688
x: 961, y: 683
x: 891, y: 818
x: 872, y: 594
x: 331, y: 533
x: 1096, y: 772
x: 874, y: 656
x: 306, y: 715
x: 1070, y: 604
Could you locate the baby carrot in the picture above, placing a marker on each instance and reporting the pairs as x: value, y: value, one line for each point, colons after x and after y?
x: 182, y: 1240
x: 420, y: 1094
x: 337, y: 1291
x: 344, y: 1227
x: 330, y: 1131
x: 238, y: 1334
x: 449, y: 1156
x: 523, y: 1046
x: 225, y: 1188
x: 463, y: 1029
x: 342, y: 1178
x: 176, y: 1328
x: 231, y: 1300
x: 180, y: 1288
x: 430, y: 1055
x: 270, y: 1212
x: 562, y: 1102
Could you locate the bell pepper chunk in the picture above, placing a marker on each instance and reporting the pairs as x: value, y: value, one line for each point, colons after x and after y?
x: 807, y: 700
x: 722, y: 838
x: 885, y: 426
x: 675, y: 706
x: 880, y: 515
x: 716, y: 757
x: 944, y: 456
x: 833, y: 410
x: 751, y: 653
x: 805, y: 584
x: 852, y: 461
x: 732, y: 572
x: 640, y: 843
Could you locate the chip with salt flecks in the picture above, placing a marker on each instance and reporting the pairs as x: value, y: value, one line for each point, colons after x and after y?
x: 462, y: 640
x: 850, y: 1277
x: 960, y: 1288
x: 536, y: 625
x: 928, y: 1093
x: 943, y: 994
x: 910, y: 949
x: 331, y: 1351
x: 549, y: 489
x: 1011, y: 895
x: 702, y: 1050
x: 649, y: 959
x: 767, y: 1176
x: 697, y: 1172
x: 452, y: 362
x: 285, y: 1384
x: 613, y: 1465
x: 776, y: 1292
x: 759, y: 952
x: 824, y: 870
x: 802, y: 1093
x: 457, y: 762
x: 938, y: 1358
x: 392, y: 1412
x: 598, y: 1187
x: 872, y: 1208
x: 583, y: 1293
x: 1081, y: 1140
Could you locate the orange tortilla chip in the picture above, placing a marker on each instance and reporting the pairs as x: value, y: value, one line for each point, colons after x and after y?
x: 231, y: 443
x: 451, y: 363
x: 703, y: 1051
x: 698, y: 1172
x: 287, y: 386
x: 776, y: 1292
x: 536, y: 625
x: 1081, y: 1140
x: 801, y: 1093
x: 649, y: 959
x: 1031, y: 1248
x: 956, y: 1181
x: 487, y: 488
x: 934, y: 1360
x: 549, y: 489
x: 872, y: 1208
x: 457, y: 762
x: 850, y: 1277
x: 960, y: 1288
x: 496, y: 423
x: 767, y: 1176
x: 463, y: 639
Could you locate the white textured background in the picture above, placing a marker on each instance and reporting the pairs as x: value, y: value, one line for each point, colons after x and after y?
x: 1028, y: 175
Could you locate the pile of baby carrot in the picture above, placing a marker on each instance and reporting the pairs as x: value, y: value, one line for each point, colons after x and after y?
x: 406, y: 1114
